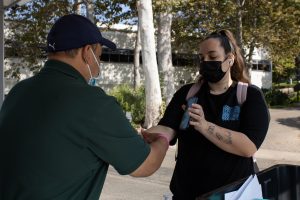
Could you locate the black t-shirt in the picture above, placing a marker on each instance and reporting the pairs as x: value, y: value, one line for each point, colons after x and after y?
x: 201, y: 166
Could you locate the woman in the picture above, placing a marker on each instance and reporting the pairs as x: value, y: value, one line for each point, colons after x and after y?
x: 217, y: 147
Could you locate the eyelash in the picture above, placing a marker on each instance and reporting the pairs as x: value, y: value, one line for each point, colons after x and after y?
x: 211, y: 58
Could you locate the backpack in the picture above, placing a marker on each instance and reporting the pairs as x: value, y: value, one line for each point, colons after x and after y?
x: 241, y: 95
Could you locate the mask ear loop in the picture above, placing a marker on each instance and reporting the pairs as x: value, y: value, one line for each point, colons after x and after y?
x: 230, y: 60
x: 97, y: 64
x: 88, y: 66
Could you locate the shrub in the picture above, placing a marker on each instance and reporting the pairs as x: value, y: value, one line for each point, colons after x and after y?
x: 131, y: 101
x: 275, y: 97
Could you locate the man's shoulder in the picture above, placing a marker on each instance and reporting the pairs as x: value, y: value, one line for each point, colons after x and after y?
x: 96, y: 95
x: 22, y: 85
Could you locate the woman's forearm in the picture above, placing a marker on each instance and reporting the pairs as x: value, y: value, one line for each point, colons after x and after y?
x: 230, y: 141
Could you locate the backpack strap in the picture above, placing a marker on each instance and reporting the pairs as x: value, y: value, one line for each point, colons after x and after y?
x: 194, y: 89
x: 241, y: 93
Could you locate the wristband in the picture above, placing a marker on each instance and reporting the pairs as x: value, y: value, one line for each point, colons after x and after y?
x: 165, y: 137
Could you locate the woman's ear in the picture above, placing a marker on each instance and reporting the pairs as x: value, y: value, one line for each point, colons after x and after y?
x: 231, y: 59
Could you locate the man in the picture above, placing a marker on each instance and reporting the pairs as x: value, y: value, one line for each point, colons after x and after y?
x: 59, y: 133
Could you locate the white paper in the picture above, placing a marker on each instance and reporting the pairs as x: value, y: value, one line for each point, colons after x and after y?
x: 234, y: 194
x: 251, y: 189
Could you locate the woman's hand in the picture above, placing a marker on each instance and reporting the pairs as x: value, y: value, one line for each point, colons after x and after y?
x: 148, y: 136
x: 197, y: 118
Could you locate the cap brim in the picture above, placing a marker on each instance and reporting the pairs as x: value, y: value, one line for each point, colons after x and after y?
x: 108, y: 43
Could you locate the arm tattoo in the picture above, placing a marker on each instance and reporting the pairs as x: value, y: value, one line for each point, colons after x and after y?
x: 211, y: 129
x: 227, y: 139
x: 219, y: 136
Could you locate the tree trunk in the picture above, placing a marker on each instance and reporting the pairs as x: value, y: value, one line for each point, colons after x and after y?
x: 164, y: 54
x: 251, y: 50
x: 2, y: 83
x: 90, y: 10
x: 77, y: 6
x: 297, y: 64
x: 137, y: 50
x: 239, y: 24
x: 152, y: 87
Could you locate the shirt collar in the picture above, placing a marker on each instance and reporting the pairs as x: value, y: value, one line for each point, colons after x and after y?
x: 63, y: 68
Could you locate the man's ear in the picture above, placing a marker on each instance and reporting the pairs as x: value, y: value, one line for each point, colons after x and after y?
x: 84, y: 53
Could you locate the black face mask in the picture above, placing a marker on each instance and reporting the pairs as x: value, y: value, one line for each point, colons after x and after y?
x: 212, y: 71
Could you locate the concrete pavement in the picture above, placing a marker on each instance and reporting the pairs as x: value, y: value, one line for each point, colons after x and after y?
x: 282, y: 145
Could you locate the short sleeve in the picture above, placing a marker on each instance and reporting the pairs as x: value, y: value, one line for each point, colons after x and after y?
x: 255, y: 117
x: 114, y: 140
x: 174, y: 111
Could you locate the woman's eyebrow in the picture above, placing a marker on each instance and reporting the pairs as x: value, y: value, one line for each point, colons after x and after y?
x: 212, y: 51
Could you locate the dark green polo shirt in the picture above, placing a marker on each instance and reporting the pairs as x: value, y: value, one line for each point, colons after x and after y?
x: 58, y: 135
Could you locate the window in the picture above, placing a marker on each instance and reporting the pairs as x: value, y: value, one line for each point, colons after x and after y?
x: 262, y: 65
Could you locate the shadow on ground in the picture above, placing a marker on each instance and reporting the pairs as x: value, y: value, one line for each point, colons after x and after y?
x: 292, y: 122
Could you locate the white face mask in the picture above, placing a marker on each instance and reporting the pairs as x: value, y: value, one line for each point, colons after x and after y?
x: 93, y: 80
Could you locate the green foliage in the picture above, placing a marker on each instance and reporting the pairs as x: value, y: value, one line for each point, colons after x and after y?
x: 31, y: 22
x: 275, y: 97
x: 131, y: 101
x: 29, y: 25
x: 294, y: 98
x: 284, y: 69
x: 283, y: 85
x: 273, y: 25
x: 111, y: 12
x: 194, y: 19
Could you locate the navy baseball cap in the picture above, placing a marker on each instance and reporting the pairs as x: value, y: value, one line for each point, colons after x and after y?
x: 74, y: 31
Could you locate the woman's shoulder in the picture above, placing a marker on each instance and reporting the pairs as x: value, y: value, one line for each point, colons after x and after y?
x: 182, y: 92
x: 254, y: 91
x: 185, y: 88
x: 250, y: 87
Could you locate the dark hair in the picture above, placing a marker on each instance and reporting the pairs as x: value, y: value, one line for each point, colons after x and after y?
x: 72, y: 52
x: 228, y: 42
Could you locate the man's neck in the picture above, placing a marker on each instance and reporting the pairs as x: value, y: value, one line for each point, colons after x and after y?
x: 74, y: 62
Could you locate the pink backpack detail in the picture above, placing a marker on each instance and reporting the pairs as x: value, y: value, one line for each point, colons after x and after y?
x: 241, y: 93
